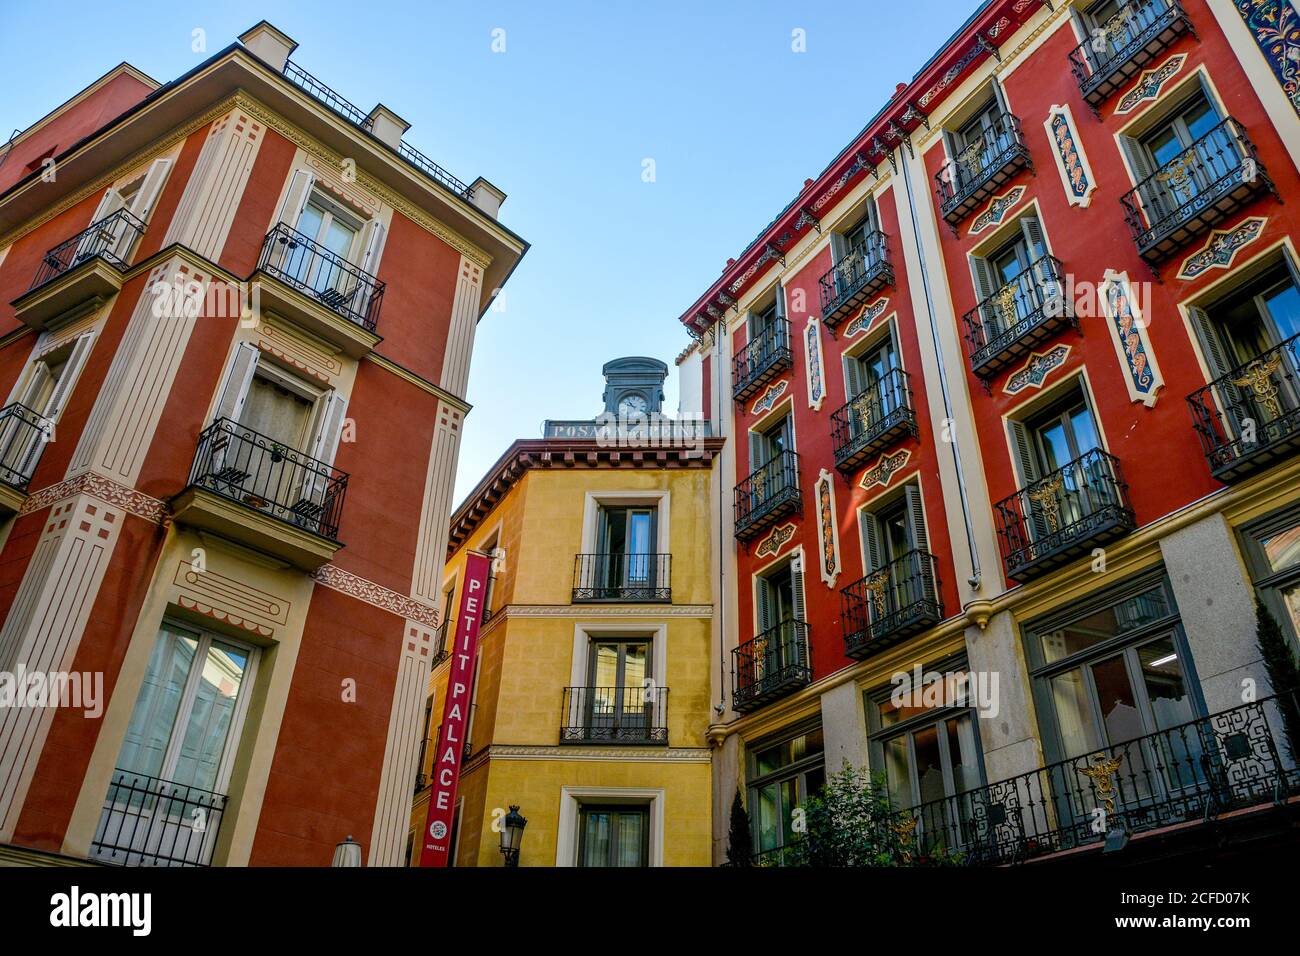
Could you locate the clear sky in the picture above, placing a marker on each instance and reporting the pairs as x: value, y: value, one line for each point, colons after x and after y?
x: 563, y: 121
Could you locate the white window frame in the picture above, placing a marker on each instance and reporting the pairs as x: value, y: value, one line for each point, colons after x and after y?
x: 661, y: 501
x: 572, y: 799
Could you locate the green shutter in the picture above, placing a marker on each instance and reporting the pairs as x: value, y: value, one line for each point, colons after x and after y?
x: 763, y: 604
x: 916, y: 518
x: 854, y: 381
x: 871, y: 541
x: 780, y: 302
x: 1023, y: 443
x: 924, y: 588
x: 1212, y: 345
x: 1033, y: 231
x: 796, y: 593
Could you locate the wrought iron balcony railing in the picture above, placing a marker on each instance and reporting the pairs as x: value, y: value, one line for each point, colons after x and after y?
x: 773, y: 664
x: 111, y: 239
x: 622, y: 577
x: 1018, y: 317
x: 1201, y: 186
x: 1190, y: 773
x: 875, y: 419
x: 768, y: 495
x: 891, y: 603
x: 761, y: 360
x: 446, y: 636
x: 322, y: 275
x: 861, y: 273
x: 615, y: 715
x: 356, y: 116
x: 23, y: 435
x: 249, y: 468
x: 147, y: 821
x: 1063, y: 514
x: 1251, y: 416
x: 1120, y: 47
x: 983, y: 165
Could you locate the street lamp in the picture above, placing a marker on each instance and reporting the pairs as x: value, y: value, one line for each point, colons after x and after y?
x: 512, y: 834
x: 347, y: 853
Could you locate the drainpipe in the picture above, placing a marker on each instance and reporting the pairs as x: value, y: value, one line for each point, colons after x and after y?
x: 976, y: 578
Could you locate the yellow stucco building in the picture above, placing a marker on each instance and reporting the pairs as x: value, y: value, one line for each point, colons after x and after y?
x: 592, y: 685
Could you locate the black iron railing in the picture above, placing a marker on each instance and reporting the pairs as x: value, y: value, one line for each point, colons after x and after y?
x: 893, y: 602
x: 774, y: 663
x: 863, y: 271
x: 261, y: 473
x: 1251, y: 416
x: 1122, y: 45
x: 355, y: 115
x: 147, y: 821
x: 444, y: 638
x: 768, y: 494
x: 1055, y: 518
x: 761, y: 359
x: 1189, y: 773
x: 622, y: 577
x: 615, y: 715
x: 1199, y: 187
x: 324, y: 276
x: 23, y: 436
x: 879, y: 415
x: 982, y: 164
x: 1026, y: 310
x: 110, y: 239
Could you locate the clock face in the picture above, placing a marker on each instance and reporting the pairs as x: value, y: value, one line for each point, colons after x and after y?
x: 632, y: 405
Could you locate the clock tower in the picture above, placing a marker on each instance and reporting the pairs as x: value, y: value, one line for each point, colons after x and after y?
x: 634, y: 385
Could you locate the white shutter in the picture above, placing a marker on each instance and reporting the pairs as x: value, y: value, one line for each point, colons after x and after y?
x: 68, y: 378
x: 91, y: 244
x: 372, y: 244
x: 796, y: 590
x: 235, y: 389
x: 295, y: 199
x: 35, y: 385
x: 331, y: 428
x: 141, y: 205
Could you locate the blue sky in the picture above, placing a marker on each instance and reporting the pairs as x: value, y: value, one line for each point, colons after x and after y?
x: 562, y: 120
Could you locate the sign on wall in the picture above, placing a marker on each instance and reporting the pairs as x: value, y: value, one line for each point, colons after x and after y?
x: 455, y: 714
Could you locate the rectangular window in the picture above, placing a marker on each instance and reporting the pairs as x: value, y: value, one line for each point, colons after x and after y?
x: 619, y: 702
x: 614, y: 835
x: 626, y: 551
x: 782, y: 776
x: 1273, y: 549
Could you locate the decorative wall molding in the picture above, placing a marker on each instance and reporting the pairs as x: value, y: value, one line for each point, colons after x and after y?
x: 603, y: 611
x: 1275, y: 25
x: 775, y: 540
x: 813, y: 364
x: 883, y: 471
x: 996, y: 210
x: 1128, y: 333
x: 1035, y: 371
x: 863, y: 320
x: 768, y: 399
x: 97, y: 486
x: 600, y: 754
x: 1149, y: 84
x: 828, y: 532
x: 1221, y: 248
x: 376, y: 595
x: 1067, y: 151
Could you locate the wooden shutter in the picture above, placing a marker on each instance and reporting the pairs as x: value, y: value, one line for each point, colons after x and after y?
x: 757, y: 451
x: 1213, y: 347
x: 1034, y: 241
x: 331, y: 428
x: 295, y: 198
x: 108, y: 205
x: 839, y: 248
x: 235, y: 389
x: 1022, y: 441
x: 68, y: 377
x: 95, y: 242
x: 780, y: 302
x: 762, y: 604
x: 854, y: 379
x: 147, y: 196
x: 983, y: 276
x: 372, y: 245
x: 796, y: 590
x: 35, y: 385
x: 871, y: 541
x: 916, y: 518
x: 922, y: 587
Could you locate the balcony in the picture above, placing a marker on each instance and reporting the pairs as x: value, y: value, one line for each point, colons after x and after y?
x: 1123, y: 45
x: 255, y: 491
x: 1017, y: 318
x: 1250, y: 417
x: 23, y: 435
x: 855, y: 279
x: 1213, y: 770
x: 362, y: 120
x: 761, y: 360
x: 79, y: 274
x: 147, y: 821
x: 622, y: 578
x: 319, y: 290
x: 874, y: 420
x: 446, y: 636
x: 773, y: 664
x: 981, y: 168
x: 615, y: 715
x: 891, y: 604
x: 1206, y: 183
x: 768, y: 495
x: 1063, y: 515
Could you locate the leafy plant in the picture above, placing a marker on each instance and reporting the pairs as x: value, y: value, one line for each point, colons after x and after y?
x: 1283, y: 672
x: 740, y: 844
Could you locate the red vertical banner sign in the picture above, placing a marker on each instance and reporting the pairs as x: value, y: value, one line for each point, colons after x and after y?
x: 455, y: 714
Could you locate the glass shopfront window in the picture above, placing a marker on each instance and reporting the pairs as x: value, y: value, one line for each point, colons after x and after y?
x: 782, y: 776
x: 1273, y: 551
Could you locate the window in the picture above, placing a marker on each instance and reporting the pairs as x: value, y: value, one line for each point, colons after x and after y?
x: 626, y: 544
x: 49, y: 383
x: 856, y: 248
x: 1113, y: 671
x: 779, y: 596
x: 867, y: 371
x: 895, y: 545
x: 1256, y: 317
x: 1006, y: 282
x: 618, y: 678
x: 616, y: 835
x: 977, y: 144
x: 138, y: 197
x: 1065, y: 483
x: 782, y: 776
x: 1273, y: 548
x: 166, y: 800
x: 767, y: 445
x: 1181, y: 156
x: 1061, y: 434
